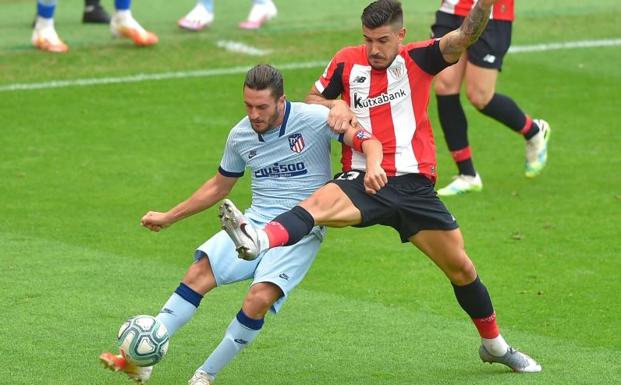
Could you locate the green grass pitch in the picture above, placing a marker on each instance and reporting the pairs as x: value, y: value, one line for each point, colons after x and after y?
x: 79, y: 166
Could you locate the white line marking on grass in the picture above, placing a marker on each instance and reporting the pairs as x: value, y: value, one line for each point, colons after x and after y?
x: 239, y: 47
x: 243, y: 69
x: 565, y: 45
x: 148, y: 77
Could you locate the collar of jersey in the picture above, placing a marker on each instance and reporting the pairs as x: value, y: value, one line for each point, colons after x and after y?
x: 283, y: 126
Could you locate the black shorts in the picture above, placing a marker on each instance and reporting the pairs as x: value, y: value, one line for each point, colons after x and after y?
x: 407, y: 203
x: 492, y: 46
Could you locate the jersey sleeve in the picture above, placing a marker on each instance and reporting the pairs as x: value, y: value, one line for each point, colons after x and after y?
x: 232, y: 164
x: 330, y: 84
x: 427, y: 56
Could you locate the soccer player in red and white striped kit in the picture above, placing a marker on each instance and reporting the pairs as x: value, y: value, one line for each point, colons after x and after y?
x: 384, y: 89
x: 478, y: 68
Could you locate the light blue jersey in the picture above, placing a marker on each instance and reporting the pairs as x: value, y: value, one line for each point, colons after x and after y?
x: 287, y: 163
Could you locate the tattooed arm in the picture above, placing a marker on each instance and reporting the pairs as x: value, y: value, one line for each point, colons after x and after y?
x: 454, y: 43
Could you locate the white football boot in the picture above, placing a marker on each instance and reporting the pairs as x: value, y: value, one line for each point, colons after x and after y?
x: 45, y: 38
x: 243, y: 234
x: 462, y: 184
x: 537, y: 150
x: 518, y: 362
x: 118, y: 363
x: 259, y: 14
x: 197, y: 19
x: 123, y: 24
x: 201, y: 377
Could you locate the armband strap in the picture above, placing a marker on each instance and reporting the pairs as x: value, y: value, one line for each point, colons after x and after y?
x: 361, y: 136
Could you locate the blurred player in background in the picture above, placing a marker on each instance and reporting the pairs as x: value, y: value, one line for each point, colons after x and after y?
x: 478, y: 68
x: 202, y: 15
x: 122, y: 24
x: 287, y: 148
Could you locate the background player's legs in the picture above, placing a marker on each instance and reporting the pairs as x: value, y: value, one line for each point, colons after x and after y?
x: 123, y: 24
x: 201, y: 16
x: 44, y: 35
x: 455, y: 127
x: 446, y: 250
x: 481, y: 91
x: 261, y: 12
x: 242, y: 330
x: 95, y: 13
x: 452, y: 117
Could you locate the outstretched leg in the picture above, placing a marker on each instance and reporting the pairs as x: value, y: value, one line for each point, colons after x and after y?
x: 446, y: 250
x: 328, y: 206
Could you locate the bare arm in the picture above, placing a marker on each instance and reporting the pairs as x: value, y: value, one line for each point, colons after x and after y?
x: 206, y: 196
x: 375, y: 177
x: 454, y: 43
x: 341, y: 117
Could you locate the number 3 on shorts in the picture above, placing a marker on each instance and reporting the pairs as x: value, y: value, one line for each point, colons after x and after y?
x: 349, y: 175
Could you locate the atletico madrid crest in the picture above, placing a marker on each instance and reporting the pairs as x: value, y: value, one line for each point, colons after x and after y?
x: 296, y: 142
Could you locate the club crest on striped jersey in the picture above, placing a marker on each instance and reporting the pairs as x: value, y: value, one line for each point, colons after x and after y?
x: 397, y: 70
x: 296, y: 142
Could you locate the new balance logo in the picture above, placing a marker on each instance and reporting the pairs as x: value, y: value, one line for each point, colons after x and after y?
x: 360, y: 79
x: 284, y: 276
x: 166, y: 310
x: 378, y: 100
x: 489, y: 58
x: 240, y: 341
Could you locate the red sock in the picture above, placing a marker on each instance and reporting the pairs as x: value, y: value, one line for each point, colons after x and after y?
x: 487, y: 326
x: 277, y: 234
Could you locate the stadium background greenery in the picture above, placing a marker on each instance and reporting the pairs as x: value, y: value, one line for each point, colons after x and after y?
x: 80, y: 165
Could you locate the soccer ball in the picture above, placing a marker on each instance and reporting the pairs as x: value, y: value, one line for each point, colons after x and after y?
x: 143, y: 340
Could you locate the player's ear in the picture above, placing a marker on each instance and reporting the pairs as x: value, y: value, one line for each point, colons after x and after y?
x: 401, y: 34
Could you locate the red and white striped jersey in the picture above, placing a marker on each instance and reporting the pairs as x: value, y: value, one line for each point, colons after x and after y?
x: 390, y: 103
x: 502, y: 10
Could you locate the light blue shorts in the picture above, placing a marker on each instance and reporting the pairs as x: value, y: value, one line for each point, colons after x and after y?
x: 285, y: 266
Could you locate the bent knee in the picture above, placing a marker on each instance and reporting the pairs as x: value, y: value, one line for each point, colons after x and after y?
x: 444, y: 86
x: 479, y: 97
x: 200, y: 276
x: 260, y: 299
x: 462, y: 273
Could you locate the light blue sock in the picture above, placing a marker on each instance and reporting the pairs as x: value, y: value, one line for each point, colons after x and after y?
x: 122, y: 5
x: 208, y: 4
x: 179, y: 308
x: 263, y: 2
x: 241, y: 332
x: 46, y: 8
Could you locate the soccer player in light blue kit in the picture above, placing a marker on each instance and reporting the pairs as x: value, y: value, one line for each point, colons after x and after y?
x: 286, y: 146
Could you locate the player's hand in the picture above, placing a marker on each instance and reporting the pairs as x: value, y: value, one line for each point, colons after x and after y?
x: 155, y: 221
x: 341, y: 118
x: 374, y: 179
